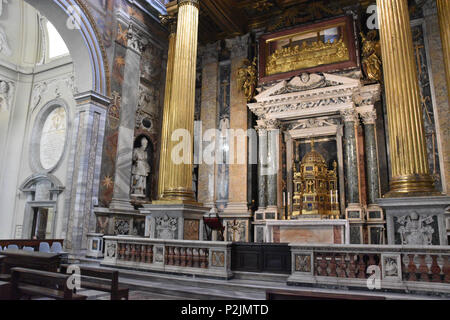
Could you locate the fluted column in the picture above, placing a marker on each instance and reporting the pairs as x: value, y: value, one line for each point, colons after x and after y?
x: 373, y: 182
x: 262, y: 168
x: 178, y: 186
x: 443, y: 7
x: 171, y: 21
x: 350, y: 118
x: 410, y: 171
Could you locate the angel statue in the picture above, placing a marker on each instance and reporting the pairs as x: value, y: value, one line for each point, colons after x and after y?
x: 247, y: 78
x: 371, y: 57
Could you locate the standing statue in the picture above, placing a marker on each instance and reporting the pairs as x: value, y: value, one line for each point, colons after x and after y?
x: 247, y: 79
x: 371, y: 57
x: 140, y: 170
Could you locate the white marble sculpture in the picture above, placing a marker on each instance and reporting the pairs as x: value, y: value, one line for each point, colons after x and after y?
x: 140, y: 170
x: 415, y: 229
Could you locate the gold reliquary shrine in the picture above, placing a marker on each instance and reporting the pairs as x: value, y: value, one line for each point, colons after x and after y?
x: 315, y: 187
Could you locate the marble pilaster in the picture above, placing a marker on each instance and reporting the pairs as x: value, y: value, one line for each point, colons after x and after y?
x: 130, y: 95
x: 439, y: 87
x: 210, y: 62
x: 84, y: 173
x: 237, y: 202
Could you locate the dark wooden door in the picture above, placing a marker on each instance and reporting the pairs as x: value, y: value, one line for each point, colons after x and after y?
x: 261, y: 257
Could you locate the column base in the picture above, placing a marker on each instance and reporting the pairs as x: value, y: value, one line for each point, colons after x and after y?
x: 119, y: 222
x: 412, y: 186
x: 416, y: 221
x: 174, y: 221
x: 121, y: 204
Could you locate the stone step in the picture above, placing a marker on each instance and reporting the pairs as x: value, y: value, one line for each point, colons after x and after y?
x: 244, y: 286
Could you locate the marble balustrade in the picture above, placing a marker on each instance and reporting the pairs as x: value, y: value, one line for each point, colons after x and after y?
x: 408, y: 268
x: 206, y: 258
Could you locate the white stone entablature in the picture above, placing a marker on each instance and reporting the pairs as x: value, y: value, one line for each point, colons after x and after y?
x: 313, y: 95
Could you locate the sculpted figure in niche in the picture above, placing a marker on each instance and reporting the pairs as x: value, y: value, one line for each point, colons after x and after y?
x: 140, y: 170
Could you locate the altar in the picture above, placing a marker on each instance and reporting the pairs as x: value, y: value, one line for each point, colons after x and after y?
x: 308, y: 231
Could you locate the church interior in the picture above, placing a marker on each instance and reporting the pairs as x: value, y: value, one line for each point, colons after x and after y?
x: 281, y: 143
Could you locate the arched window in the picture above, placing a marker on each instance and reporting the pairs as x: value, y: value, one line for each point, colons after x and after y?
x: 56, y: 46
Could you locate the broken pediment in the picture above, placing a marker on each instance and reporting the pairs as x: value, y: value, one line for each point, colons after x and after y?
x: 304, y: 83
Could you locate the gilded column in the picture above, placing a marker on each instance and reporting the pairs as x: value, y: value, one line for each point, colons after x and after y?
x: 410, y: 171
x: 171, y: 22
x: 178, y: 186
x: 443, y: 7
x: 370, y: 142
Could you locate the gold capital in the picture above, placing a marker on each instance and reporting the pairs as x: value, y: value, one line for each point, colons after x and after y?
x: 408, y: 155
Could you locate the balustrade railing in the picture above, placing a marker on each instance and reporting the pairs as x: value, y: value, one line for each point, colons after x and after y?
x: 425, y: 268
x: 187, y: 257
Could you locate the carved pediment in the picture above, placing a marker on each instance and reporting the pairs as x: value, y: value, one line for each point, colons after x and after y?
x: 305, y: 83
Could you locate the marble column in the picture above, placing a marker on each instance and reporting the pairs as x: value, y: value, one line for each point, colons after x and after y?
x: 237, y: 201
x: 207, y: 182
x: 179, y: 183
x: 350, y: 118
x: 443, y: 7
x: 84, y: 169
x: 130, y: 96
x: 262, y: 169
x: 408, y: 154
x: 370, y: 142
x: 272, y: 165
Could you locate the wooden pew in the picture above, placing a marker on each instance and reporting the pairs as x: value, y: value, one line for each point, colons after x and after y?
x: 29, y: 282
x: 5, y: 290
x: 32, y: 260
x: 308, y: 295
x: 101, y: 280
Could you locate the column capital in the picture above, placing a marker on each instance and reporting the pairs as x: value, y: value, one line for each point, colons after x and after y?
x: 136, y: 39
x: 170, y: 21
x: 268, y: 124
x: 191, y: 2
x: 238, y: 46
x: 210, y: 53
x: 368, y: 116
x: 349, y: 115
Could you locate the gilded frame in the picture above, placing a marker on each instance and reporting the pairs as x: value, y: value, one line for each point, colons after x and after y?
x: 348, y: 38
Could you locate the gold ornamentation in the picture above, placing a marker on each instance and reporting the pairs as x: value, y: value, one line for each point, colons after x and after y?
x: 315, y: 187
x: 262, y: 5
x: 371, y: 54
x: 307, y: 56
x: 247, y: 79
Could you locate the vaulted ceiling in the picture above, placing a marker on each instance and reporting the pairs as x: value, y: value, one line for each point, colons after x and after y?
x: 224, y: 18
